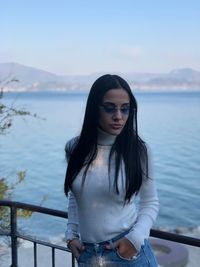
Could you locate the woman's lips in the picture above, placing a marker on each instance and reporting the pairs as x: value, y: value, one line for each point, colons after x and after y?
x: 116, y: 126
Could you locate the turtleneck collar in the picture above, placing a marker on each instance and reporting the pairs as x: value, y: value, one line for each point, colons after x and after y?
x: 105, y: 139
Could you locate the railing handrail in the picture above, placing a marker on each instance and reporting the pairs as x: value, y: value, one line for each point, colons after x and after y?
x: 187, y: 240
x: 183, y: 239
x: 34, y: 208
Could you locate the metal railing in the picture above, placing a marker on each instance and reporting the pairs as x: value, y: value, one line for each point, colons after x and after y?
x: 15, y: 235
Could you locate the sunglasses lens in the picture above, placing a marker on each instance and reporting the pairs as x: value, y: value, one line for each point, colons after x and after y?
x: 125, y: 110
x: 110, y: 110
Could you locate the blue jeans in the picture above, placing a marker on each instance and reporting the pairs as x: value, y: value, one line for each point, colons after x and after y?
x: 96, y: 255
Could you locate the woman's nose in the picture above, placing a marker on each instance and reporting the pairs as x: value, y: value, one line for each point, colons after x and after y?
x: 117, y: 115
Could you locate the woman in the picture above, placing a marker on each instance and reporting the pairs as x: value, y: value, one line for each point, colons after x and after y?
x: 108, y: 166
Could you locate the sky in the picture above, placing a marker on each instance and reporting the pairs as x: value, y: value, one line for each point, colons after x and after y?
x: 89, y: 36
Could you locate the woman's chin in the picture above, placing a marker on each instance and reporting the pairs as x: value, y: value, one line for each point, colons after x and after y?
x: 114, y: 131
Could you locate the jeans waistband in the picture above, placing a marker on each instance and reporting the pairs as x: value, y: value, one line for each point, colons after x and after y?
x: 108, y: 241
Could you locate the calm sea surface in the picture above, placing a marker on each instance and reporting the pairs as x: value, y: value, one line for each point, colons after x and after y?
x: 169, y: 123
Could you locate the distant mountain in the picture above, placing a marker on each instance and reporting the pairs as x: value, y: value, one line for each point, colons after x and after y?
x: 32, y: 79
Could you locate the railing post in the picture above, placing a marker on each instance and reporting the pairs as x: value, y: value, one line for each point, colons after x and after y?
x: 73, y: 261
x: 13, y: 233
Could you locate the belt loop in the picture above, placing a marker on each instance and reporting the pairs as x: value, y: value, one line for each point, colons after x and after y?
x: 96, y: 247
x: 111, y: 244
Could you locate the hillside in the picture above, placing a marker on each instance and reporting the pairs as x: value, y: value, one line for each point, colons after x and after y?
x: 33, y: 79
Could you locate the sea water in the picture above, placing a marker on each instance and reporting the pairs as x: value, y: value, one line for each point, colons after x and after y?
x: 168, y: 122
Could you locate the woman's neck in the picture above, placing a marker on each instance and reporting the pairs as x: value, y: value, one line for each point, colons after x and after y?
x: 105, y: 139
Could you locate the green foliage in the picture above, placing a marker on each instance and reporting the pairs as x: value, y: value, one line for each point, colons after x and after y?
x: 7, y: 113
x: 6, y: 192
x: 6, y: 116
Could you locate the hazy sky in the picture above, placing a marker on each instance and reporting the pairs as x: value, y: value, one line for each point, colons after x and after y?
x: 87, y: 36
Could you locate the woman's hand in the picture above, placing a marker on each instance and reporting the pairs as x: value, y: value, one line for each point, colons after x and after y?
x: 124, y: 247
x: 76, y: 247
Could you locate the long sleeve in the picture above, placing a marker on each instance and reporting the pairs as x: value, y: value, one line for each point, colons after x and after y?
x: 148, y: 207
x: 73, y: 223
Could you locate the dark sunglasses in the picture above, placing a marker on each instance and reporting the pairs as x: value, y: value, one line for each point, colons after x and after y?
x: 111, y: 109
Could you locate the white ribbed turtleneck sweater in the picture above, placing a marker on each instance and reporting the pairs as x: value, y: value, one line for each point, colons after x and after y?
x: 96, y: 213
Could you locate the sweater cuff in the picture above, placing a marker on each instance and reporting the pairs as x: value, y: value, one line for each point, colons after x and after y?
x: 70, y: 235
x: 72, y: 232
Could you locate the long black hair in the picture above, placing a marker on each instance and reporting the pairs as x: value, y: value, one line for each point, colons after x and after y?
x: 128, y: 146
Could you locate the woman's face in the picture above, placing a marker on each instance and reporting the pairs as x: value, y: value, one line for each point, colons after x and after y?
x: 114, y: 111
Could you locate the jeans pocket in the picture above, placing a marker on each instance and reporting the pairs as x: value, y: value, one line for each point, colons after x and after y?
x: 79, y: 257
x: 135, y: 257
x: 150, y: 255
